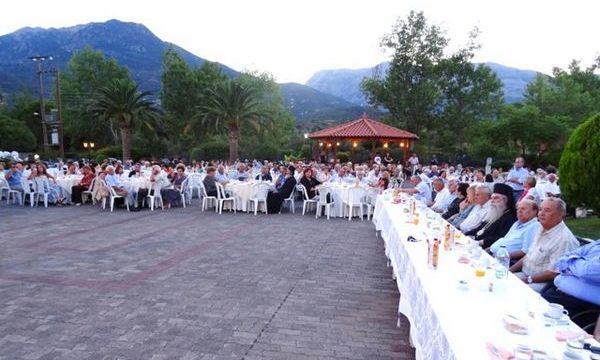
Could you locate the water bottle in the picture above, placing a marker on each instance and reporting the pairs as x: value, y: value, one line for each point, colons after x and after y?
x: 502, y: 263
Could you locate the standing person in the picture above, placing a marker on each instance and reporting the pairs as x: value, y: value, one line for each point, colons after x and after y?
x: 388, y: 159
x: 516, y: 177
x: 413, y: 161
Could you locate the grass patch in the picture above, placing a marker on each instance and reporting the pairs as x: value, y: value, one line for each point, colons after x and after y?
x: 588, y: 227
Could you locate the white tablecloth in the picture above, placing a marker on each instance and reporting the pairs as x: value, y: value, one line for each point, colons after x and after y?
x: 243, y: 191
x: 66, y: 183
x: 339, y: 193
x: 447, y: 322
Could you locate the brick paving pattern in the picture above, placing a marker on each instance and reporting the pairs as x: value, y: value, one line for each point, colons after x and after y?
x: 82, y: 283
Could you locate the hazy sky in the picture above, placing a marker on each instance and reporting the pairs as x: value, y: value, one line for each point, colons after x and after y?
x: 293, y: 39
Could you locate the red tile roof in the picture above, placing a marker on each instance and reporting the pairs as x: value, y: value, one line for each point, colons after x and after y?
x: 363, y: 128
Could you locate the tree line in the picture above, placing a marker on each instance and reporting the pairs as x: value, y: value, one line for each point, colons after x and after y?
x: 455, y: 106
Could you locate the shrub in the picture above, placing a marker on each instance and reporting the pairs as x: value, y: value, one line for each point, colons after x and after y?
x: 579, y: 166
x: 343, y: 156
x: 116, y: 151
x: 505, y: 165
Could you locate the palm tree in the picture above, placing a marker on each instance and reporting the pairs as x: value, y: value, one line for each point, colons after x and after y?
x: 121, y: 104
x: 230, y: 106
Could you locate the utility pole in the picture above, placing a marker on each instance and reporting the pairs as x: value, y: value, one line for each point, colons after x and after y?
x: 40, y: 71
x: 60, y: 123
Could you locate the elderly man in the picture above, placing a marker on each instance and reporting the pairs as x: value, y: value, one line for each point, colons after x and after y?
x: 516, y: 177
x: 14, y: 177
x: 480, y: 209
x: 221, y: 176
x: 445, y: 195
x: 521, y: 234
x: 548, y: 187
x: 264, y: 174
x: 420, y: 190
x: 577, y: 286
x: 499, y: 218
x: 114, y: 182
x: 538, y: 267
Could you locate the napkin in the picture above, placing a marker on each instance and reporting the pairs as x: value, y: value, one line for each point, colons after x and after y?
x: 498, y: 352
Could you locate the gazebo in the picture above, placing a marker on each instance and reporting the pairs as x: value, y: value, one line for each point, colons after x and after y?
x: 363, y: 129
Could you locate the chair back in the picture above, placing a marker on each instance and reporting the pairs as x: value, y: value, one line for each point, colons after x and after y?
x: 220, y: 191
x: 303, y: 191
x: 323, y: 192
x: 184, y: 189
x: 356, y: 195
x: 41, y: 185
x: 261, y: 191
x: 4, y: 183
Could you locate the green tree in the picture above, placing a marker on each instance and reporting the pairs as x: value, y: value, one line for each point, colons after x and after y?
x: 231, y: 106
x: 184, y: 91
x: 15, y: 135
x: 428, y: 92
x: 410, y: 88
x: 122, y: 104
x: 579, y: 165
x: 280, y: 127
x: 86, y: 73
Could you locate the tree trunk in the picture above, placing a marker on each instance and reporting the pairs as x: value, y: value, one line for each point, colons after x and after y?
x: 126, y: 141
x: 234, y: 141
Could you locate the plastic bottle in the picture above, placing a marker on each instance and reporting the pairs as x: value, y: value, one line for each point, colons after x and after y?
x: 447, y: 237
x: 435, y: 254
x: 502, y: 263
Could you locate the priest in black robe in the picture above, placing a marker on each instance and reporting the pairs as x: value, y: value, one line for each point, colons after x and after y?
x: 275, y: 198
x: 500, y: 218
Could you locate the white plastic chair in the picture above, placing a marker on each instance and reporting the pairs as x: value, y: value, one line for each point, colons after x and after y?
x: 185, y: 192
x: 41, y: 187
x: 322, y: 203
x: 221, y: 199
x: 307, y: 201
x: 261, y: 191
x: 355, y: 200
x: 206, y: 198
x: 291, y: 200
x: 27, y: 192
x: 10, y: 193
x: 113, y: 196
x: 155, y: 197
x: 89, y: 192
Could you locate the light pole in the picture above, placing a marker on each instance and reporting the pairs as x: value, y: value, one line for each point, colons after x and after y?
x: 89, y: 146
x: 40, y: 71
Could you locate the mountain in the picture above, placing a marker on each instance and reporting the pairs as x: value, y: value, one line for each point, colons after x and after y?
x: 136, y: 47
x: 131, y: 44
x: 309, y: 105
x: 345, y: 83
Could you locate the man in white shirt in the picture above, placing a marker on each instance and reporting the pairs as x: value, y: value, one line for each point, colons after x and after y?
x: 445, y: 195
x: 548, y: 187
x: 516, y: 177
x: 420, y: 190
x: 479, y: 212
x: 537, y: 268
x: 414, y: 162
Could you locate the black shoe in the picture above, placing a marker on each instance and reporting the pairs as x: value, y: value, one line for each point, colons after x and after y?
x: 134, y: 209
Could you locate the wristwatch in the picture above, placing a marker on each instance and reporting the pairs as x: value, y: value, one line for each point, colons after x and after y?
x: 529, y: 279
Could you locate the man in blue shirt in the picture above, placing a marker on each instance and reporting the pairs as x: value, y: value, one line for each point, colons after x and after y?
x: 518, y: 239
x: 14, y: 177
x: 577, y: 286
x: 516, y: 177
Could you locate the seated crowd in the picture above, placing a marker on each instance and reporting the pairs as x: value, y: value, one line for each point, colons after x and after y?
x: 520, y: 211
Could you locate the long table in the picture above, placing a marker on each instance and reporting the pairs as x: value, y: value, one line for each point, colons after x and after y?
x: 448, y: 321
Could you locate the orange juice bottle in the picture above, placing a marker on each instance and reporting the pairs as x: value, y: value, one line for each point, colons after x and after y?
x: 435, y: 253
x: 447, y: 237
x: 416, y: 219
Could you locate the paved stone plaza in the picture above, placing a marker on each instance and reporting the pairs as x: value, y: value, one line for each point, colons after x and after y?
x: 82, y: 283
